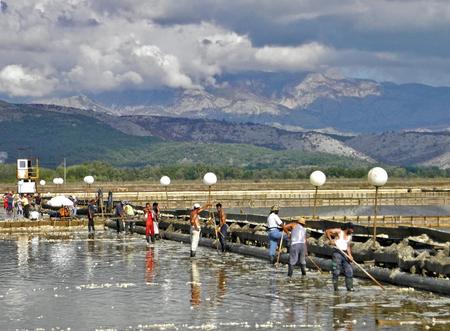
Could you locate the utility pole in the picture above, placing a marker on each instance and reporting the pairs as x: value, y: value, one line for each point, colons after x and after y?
x: 65, y: 170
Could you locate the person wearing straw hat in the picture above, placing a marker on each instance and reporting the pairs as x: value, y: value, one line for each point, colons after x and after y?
x: 275, y: 232
x: 195, y: 225
x: 298, y: 249
x: 342, y: 254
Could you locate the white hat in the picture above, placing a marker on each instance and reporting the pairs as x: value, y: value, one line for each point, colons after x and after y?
x: 196, y: 206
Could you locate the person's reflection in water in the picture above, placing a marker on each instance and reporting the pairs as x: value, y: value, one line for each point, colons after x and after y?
x: 195, y: 285
x: 91, y: 245
x: 342, y: 317
x: 221, y: 283
x: 276, y: 305
x: 150, y: 265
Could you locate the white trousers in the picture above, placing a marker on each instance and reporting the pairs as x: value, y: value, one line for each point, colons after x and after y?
x: 195, y: 237
x: 155, y: 227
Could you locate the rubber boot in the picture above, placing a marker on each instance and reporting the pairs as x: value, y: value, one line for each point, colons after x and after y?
x: 349, y: 284
x: 303, y: 269
x: 153, y: 239
x: 335, y: 285
x: 192, y: 253
x: 290, y: 270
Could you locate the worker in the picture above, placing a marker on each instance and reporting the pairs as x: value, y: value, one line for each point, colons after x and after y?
x: 25, y: 205
x: 275, y: 233
x: 298, y: 249
x: 91, y: 212
x: 222, y: 230
x: 129, y: 213
x: 341, y: 238
x: 195, y: 226
x: 149, y: 223
x: 118, y: 214
x: 156, y: 216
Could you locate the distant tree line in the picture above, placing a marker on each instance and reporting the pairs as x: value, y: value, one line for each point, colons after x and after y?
x: 105, y: 172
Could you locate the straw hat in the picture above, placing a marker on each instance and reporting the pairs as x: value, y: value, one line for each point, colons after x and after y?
x: 274, y: 208
x: 301, y: 221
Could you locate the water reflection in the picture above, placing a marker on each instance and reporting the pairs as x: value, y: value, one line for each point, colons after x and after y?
x: 150, y: 266
x: 48, y: 283
x: 342, y: 318
x: 195, y: 285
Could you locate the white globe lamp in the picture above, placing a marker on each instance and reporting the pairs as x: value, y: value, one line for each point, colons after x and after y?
x: 42, y: 182
x: 377, y: 176
x: 317, y: 178
x: 209, y: 179
x: 165, y: 181
x: 89, y: 180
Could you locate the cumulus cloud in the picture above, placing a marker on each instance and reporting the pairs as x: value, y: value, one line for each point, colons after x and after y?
x: 72, y: 46
x: 19, y: 81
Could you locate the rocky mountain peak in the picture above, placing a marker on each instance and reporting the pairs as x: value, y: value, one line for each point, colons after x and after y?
x: 77, y: 101
x: 318, y: 85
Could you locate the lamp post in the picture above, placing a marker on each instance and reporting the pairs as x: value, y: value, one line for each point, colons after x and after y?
x: 89, y: 180
x: 317, y: 178
x: 377, y: 177
x: 210, y: 179
x: 165, y: 181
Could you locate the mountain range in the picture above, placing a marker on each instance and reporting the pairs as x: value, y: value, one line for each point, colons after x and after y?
x: 308, y: 102
x: 288, y: 117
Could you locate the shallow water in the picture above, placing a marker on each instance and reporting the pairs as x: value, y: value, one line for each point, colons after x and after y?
x: 66, y: 280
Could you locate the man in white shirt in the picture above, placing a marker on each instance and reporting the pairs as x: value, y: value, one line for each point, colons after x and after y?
x: 275, y: 232
x: 342, y: 238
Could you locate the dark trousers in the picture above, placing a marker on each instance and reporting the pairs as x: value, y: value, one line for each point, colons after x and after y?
x: 341, y: 263
x: 129, y: 226
x: 26, y: 211
x: 91, y: 224
x: 118, y: 225
x: 223, y: 237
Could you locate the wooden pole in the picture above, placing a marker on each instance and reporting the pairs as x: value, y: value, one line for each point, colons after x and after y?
x: 279, y: 248
x: 315, y: 264
x: 375, y: 216
x: 167, y: 198
x: 211, y: 213
x: 362, y: 269
x: 315, y: 203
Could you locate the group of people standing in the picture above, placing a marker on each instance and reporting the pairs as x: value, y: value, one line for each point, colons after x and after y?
x: 125, y: 219
x: 220, y: 226
x: 20, y: 205
x: 293, y: 235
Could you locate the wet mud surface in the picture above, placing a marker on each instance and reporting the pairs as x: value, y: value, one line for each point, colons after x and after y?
x: 69, y: 281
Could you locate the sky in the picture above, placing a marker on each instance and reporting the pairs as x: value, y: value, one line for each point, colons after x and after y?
x: 68, y: 47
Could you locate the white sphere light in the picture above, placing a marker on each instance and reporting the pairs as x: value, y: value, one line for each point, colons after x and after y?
x: 58, y: 181
x: 165, y: 181
x: 209, y: 179
x: 88, y: 180
x: 42, y: 182
x: 377, y: 176
x: 317, y: 178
